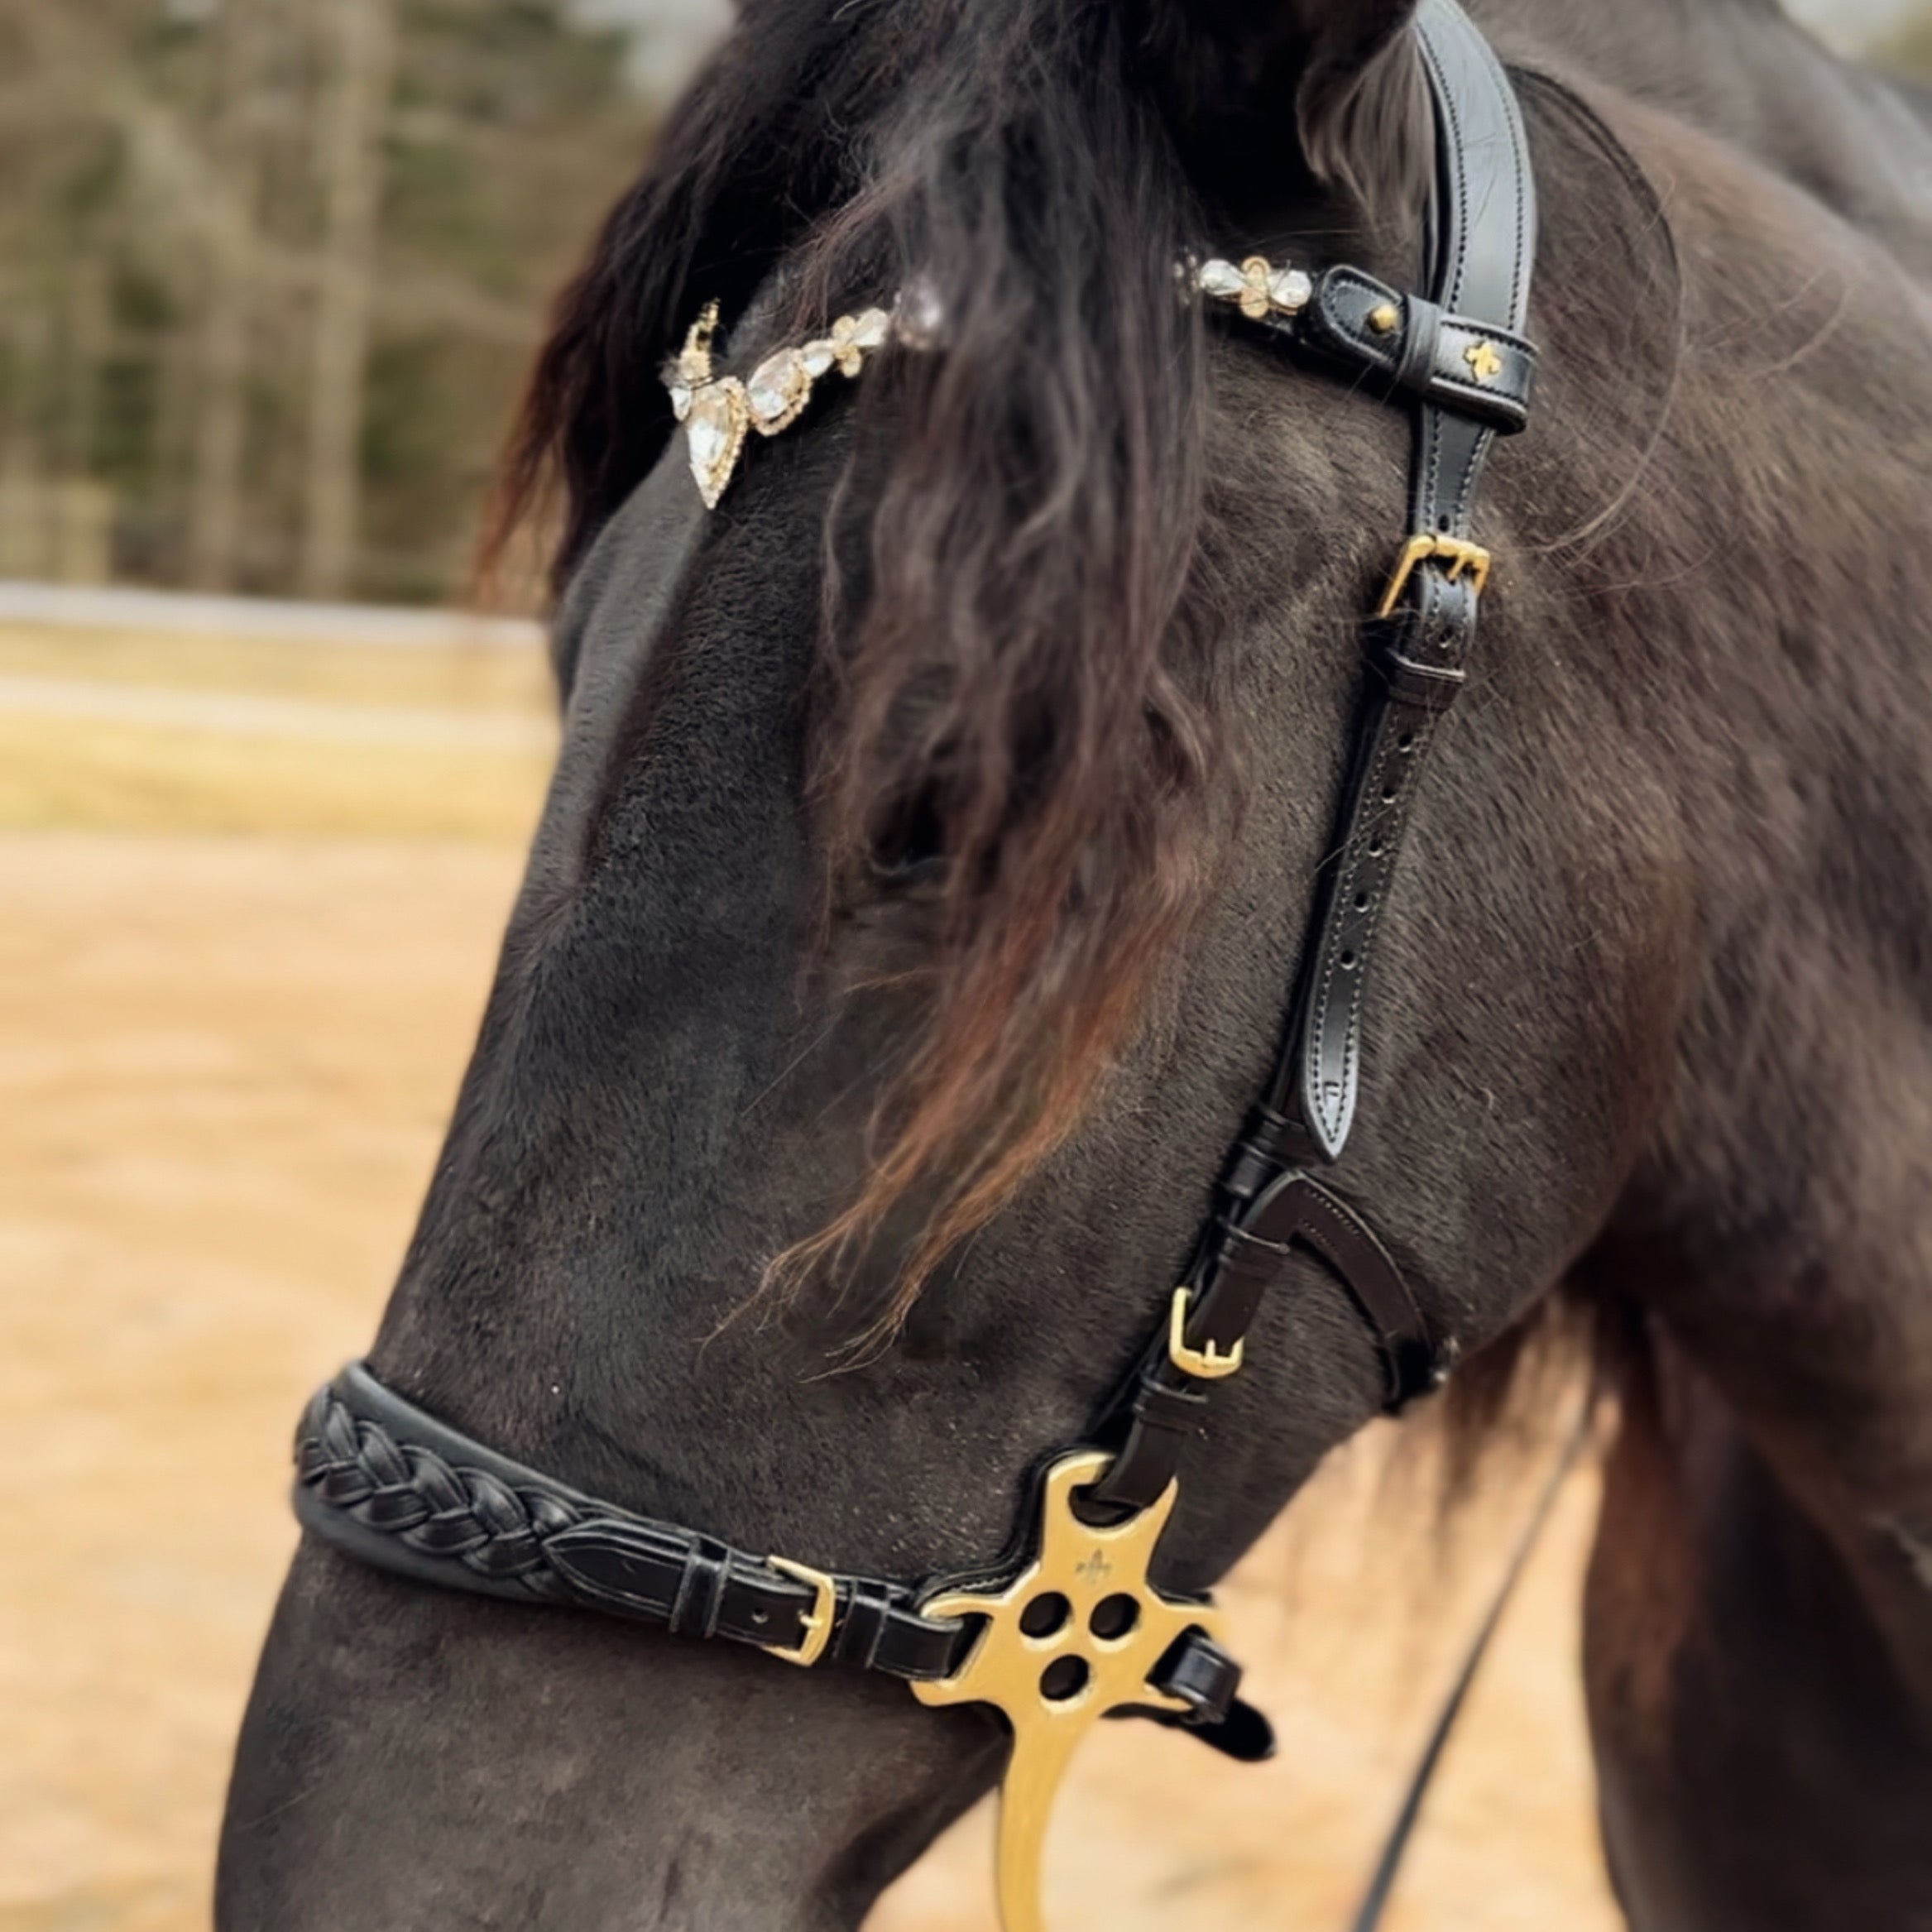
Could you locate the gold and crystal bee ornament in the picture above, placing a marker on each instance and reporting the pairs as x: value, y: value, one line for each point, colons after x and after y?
x: 720, y: 412
x: 1256, y: 288
x: 1076, y: 1635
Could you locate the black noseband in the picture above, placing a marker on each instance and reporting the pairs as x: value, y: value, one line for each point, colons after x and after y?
x: 386, y: 1482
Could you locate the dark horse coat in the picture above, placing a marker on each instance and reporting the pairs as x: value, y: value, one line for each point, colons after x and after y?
x: 932, y: 827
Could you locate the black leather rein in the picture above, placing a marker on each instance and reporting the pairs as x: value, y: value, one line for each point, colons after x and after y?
x: 391, y: 1485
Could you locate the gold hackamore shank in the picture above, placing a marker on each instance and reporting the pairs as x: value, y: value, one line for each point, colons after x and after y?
x: 1077, y: 1634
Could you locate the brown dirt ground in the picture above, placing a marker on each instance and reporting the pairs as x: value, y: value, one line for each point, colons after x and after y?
x: 237, y: 981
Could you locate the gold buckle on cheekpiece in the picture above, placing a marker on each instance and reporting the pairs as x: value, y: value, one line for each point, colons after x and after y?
x: 1463, y: 557
x: 817, y: 1622
x: 1207, y: 1364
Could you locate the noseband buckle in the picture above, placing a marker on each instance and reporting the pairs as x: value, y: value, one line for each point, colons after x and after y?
x: 815, y: 1626
x: 1463, y: 557
x: 1206, y: 1364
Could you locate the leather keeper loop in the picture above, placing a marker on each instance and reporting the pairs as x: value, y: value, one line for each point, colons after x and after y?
x: 1429, y: 688
x: 1419, y: 348
x: 1422, y: 329
x: 701, y: 1594
x: 861, y: 1628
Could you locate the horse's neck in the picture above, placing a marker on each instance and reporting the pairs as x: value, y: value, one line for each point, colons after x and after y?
x: 1744, y: 70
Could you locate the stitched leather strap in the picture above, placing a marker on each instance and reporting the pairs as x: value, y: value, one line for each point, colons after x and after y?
x: 388, y: 1483
x: 1240, y: 1261
x: 385, y: 1481
x: 1484, y: 235
x: 1420, y: 350
x: 1484, y: 222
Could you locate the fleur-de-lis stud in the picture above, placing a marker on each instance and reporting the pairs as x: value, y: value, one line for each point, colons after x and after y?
x: 1485, y: 365
x: 1076, y: 1635
x: 848, y: 348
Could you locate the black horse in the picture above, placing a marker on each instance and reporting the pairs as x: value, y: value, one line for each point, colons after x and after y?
x: 904, y: 940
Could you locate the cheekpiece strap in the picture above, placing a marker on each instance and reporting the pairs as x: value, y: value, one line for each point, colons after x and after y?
x: 1424, y: 627
x: 1460, y: 358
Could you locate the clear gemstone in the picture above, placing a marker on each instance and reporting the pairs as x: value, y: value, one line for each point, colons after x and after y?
x: 1221, y: 278
x: 1290, y: 289
x: 871, y: 329
x: 711, y: 433
x: 715, y: 428
x: 681, y: 396
x: 778, y: 388
x: 817, y: 357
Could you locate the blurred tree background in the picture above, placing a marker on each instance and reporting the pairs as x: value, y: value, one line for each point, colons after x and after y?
x: 270, y: 270
x: 1911, y: 50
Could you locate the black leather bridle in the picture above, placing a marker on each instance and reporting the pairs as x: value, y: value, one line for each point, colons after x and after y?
x: 385, y: 1482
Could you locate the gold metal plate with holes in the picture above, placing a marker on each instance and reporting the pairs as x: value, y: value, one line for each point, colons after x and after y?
x: 1054, y: 1686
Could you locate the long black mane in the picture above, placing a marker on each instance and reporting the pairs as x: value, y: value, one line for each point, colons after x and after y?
x: 1018, y: 683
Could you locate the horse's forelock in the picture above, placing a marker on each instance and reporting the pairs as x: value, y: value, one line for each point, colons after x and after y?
x: 1034, y: 504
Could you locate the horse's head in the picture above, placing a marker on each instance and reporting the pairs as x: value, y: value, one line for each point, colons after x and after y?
x: 910, y: 929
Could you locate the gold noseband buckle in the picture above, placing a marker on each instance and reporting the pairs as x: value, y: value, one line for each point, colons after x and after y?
x: 815, y: 1626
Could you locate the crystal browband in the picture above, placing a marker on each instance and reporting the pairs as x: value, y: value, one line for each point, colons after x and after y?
x: 1342, y: 314
x: 719, y: 412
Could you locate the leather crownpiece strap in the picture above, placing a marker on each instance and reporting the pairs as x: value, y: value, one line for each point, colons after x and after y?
x: 1484, y: 223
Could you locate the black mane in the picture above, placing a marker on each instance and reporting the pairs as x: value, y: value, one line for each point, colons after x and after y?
x: 1030, y: 592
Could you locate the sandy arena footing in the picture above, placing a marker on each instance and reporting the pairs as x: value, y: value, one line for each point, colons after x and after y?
x: 225, y: 1063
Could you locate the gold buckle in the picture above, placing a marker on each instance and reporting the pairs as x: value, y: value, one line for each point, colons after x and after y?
x: 1207, y: 1364
x: 1463, y: 559
x: 817, y: 1622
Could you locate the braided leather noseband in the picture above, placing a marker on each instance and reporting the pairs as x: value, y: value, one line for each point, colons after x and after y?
x: 384, y: 1481
x: 1067, y: 1628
